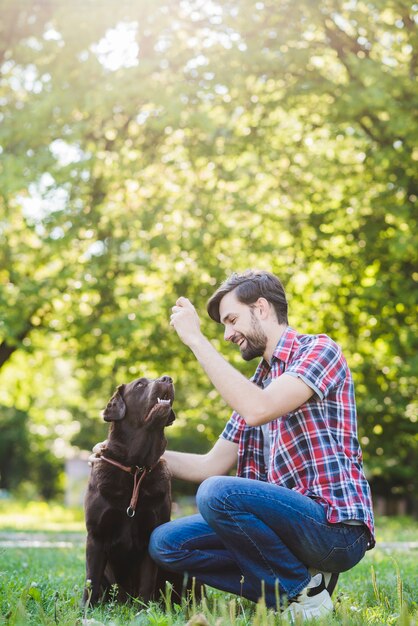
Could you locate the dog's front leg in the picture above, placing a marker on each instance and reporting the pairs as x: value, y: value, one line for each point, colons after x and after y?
x: 96, y: 559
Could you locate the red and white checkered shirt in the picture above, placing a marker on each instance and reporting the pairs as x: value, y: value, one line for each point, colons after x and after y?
x: 314, y: 449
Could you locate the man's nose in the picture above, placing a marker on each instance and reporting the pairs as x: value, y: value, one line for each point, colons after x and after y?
x: 228, y: 334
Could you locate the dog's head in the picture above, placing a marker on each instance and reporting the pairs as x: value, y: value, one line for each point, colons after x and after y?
x: 143, y: 402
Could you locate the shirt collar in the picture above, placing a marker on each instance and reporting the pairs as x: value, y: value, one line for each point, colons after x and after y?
x: 284, y: 346
x: 281, y: 353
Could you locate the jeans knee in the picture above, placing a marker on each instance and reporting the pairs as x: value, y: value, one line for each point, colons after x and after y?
x: 209, y: 497
x: 157, y: 545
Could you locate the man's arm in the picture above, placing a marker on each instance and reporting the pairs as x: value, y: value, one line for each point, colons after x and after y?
x: 196, y: 467
x: 193, y: 467
x: 257, y: 406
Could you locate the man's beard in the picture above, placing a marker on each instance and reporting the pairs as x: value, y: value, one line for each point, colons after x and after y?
x: 256, y: 341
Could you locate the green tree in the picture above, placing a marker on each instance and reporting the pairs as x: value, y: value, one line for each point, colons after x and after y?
x: 220, y: 136
x: 14, y: 443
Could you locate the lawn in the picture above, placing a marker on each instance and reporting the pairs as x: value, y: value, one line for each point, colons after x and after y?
x: 43, y: 586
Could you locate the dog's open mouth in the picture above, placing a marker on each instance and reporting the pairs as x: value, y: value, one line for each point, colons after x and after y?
x: 163, y: 401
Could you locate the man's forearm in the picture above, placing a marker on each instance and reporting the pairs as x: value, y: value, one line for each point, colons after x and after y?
x: 237, y: 391
x: 257, y: 406
x: 219, y: 461
x: 187, y: 466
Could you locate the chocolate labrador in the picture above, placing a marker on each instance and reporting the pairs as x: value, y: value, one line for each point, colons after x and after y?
x: 129, y: 493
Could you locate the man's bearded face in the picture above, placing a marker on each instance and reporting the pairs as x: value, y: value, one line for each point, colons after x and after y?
x: 255, y: 341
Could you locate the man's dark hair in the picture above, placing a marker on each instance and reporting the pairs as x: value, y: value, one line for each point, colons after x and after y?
x: 248, y: 287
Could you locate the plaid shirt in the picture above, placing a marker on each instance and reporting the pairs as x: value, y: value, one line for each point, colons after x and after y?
x: 314, y: 449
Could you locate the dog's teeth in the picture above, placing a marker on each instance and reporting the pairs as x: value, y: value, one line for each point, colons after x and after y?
x: 161, y: 401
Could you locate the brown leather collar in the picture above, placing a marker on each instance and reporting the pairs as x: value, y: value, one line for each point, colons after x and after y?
x: 138, y: 473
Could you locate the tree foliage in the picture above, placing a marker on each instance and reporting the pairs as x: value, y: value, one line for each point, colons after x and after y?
x: 148, y: 149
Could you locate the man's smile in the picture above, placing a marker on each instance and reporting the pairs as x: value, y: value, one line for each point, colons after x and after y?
x: 239, y: 340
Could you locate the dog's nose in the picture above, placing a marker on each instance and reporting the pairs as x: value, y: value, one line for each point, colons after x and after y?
x: 166, y: 379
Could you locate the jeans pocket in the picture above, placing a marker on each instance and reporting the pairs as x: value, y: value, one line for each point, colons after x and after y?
x: 341, y: 559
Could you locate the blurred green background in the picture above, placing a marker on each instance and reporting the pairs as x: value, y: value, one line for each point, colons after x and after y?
x: 148, y: 149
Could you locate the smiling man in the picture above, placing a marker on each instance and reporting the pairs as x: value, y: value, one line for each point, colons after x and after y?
x: 299, y: 510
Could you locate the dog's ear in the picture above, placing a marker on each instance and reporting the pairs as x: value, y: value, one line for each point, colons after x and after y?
x: 171, y: 418
x: 116, y: 407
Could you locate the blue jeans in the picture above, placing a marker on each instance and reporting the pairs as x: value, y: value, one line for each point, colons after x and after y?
x: 256, y: 539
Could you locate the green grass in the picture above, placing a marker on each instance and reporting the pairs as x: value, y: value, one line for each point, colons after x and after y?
x: 399, y: 528
x: 43, y: 586
x: 41, y: 516
x: 16, y: 516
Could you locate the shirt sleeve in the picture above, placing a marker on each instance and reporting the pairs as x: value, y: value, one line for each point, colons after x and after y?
x: 320, y: 363
x: 233, y: 428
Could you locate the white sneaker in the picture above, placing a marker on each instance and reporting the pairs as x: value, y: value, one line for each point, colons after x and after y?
x: 313, y: 601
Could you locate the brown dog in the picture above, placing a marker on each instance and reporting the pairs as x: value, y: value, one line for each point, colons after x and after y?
x: 129, y: 492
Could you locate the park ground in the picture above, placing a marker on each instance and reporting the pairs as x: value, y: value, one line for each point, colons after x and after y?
x: 42, y: 577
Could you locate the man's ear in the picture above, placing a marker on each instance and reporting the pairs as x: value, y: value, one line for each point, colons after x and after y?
x: 171, y: 418
x: 116, y: 407
x: 263, y: 306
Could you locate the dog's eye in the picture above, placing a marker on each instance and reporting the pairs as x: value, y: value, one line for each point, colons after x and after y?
x: 141, y: 382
